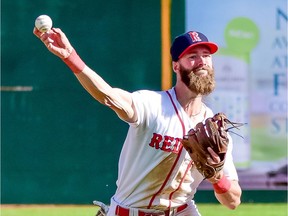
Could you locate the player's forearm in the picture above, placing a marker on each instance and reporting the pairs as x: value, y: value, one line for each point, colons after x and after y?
x: 232, y: 198
x: 89, y: 79
x: 94, y: 84
x: 118, y: 100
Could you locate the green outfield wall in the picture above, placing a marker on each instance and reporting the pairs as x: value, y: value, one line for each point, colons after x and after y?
x: 58, y: 145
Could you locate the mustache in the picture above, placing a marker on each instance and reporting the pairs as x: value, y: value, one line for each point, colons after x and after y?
x: 202, y: 67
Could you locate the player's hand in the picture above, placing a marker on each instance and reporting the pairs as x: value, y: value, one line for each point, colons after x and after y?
x: 213, y: 158
x: 55, y: 41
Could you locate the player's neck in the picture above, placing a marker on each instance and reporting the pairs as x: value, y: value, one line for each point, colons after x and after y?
x: 193, y: 108
x: 191, y: 103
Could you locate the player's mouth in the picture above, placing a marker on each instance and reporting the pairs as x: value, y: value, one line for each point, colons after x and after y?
x: 201, y: 71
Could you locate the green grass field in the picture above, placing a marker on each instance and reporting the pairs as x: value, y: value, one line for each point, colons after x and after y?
x: 273, y: 209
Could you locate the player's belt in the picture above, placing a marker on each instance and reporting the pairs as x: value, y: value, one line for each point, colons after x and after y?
x: 121, y: 211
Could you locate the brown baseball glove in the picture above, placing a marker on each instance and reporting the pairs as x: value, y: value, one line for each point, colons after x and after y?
x: 212, y: 133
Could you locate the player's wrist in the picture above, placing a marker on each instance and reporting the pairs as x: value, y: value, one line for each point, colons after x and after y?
x: 222, y: 185
x: 216, y: 177
x: 74, y: 62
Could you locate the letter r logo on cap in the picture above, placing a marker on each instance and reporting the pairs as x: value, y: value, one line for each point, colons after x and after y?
x: 194, y: 36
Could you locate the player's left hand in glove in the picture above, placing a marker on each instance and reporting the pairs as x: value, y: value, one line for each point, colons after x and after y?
x: 207, y: 144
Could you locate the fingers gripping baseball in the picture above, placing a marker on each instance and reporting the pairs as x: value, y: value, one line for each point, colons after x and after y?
x: 55, y: 41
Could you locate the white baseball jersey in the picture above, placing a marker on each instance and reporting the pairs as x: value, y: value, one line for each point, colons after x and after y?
x: 155, y: 171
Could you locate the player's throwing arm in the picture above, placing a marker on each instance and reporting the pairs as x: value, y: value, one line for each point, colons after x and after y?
x: 56, y: 42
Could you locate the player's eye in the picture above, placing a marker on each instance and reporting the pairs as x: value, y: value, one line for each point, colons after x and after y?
x: 193, y: 57
x: 206, y: 55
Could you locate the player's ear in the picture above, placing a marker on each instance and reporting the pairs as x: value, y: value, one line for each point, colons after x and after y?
x: 175, y: 66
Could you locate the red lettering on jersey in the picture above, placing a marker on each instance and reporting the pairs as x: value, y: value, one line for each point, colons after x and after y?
x: 155, y: 141
x: 167, y: 143
x: 177, y: 144
x: 194, y: 36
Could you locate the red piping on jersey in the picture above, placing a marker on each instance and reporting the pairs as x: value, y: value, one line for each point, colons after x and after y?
x: 180, y: 151
x: 176, y: 110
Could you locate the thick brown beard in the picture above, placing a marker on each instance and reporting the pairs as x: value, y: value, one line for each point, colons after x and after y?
x: 203, y: 85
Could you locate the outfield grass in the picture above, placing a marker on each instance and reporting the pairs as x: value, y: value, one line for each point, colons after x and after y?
x: 277, y: 209
x: 272, y: 209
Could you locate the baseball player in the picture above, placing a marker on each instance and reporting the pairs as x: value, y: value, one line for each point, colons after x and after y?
x: 156, y: 175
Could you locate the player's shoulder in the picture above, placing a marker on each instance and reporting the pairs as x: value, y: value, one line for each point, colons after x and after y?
x: 149, y: 99
x: 149, y: 94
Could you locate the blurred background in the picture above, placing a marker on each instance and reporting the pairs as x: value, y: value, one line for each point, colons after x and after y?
x: 60, y: 146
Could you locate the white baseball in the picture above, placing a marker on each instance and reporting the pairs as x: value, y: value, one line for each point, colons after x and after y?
x: 43, y: 23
